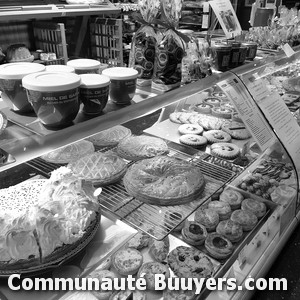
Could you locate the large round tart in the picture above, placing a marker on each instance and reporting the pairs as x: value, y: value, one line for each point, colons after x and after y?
x: 164, y: 180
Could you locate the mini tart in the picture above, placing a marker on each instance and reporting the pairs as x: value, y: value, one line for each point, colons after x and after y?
x: 222, y: 112
x: 174, y: 117
x: 231, y: 230
x: 193, y: 140
x: 212, y: 101
x: 218, y: 246
x: 236, y: 133
x: 232, y: 197
x: 173, y: 217
x: 203, y: 108
x: 257, y: 207
x: 245, y: 218
x: 222, y: 208
x: 208, y: 218
x: 220, y: 95
x: 194, y: 233
x: 216, y: 136
x: 190, y: 129
x: 127, y: 261
x: 150, y: 269
x: 225, y: 150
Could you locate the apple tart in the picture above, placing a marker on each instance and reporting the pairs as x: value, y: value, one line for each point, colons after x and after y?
x: 164, y: 180
x: 100, y: 168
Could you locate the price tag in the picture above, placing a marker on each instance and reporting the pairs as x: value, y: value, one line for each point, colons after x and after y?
x: 242, y: 258
x: 245, y: 149
x: 288, y: 50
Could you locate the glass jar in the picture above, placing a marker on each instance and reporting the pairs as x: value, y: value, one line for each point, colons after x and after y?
x: 251, y: 50
x: 235, y: 54
x: 221, y: 56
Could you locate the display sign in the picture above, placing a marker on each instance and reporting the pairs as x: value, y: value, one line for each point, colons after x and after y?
x: 227, y: 18
x: 278, y: 115
x: 248, y: 111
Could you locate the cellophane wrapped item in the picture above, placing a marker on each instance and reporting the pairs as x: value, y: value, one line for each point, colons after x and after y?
x: 169, y: 50
x: 142, y: 53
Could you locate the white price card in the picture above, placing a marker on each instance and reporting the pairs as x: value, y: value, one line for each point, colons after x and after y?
x: 248, y: 111
x: 227, y: 18
x: 278, y: 115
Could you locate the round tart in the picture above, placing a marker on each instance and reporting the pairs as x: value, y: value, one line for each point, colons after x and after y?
x: 245, y: 218
x: 127, y: 261
x: 110, y: 137
x: 222, y: 208
x: 100, y: 275
x: 150, y: 269
x: 218, y: 246
x: 174, y: 117
x: 194, y: 233
x: 190, y: 262
x: 257, y: 207
x: 220, y: 95
x: 173, y: 217
x: 212, y: 101
x: 231, y: 230
x: 69, y: 153
x: 216, y: 136
x: 203, y: 108
x: 207, y: 217
x: 140, y: 147
x: 236, y: 133
x: 193, y: 140
x: 190, y: 129
x: 100, y: 168
x: 164, y: 180
x: 222, y: 112
x: 232, y: 197
x: 225, y: 150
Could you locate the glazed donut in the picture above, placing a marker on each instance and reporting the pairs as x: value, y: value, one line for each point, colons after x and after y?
x: 232, y: 197
x: 164, y: 180
x: 222, y: 208
x: 245, y: 218
x: 208, y: 218
x: 194, y: 233
x: 231, y: 230
x: 218, y: 246
x: 257, y: 207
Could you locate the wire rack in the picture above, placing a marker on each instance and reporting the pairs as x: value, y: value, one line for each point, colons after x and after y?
x: 115, y: 200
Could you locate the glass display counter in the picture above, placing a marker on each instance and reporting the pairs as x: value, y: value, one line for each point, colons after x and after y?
x: 247, y: 145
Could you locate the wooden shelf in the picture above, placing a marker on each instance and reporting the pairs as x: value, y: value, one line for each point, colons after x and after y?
x: 8, y: 13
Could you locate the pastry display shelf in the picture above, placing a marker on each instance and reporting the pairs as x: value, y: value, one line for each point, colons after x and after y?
x: 8, y: 13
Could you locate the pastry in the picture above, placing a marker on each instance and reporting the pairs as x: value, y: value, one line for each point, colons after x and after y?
x: 110, y: 137
x: 220, y: 95
x: 203, y: 108
x: 207, y: 217
x: 173, y: 217
x: 193, y: 140
x: 100, y: 275
x: 225, y: 150
x: 190, y: 129
x: 210, y: 122
x: 184, y: 117
x: 69, y: 153
x: 232, y: 197
x: 139, y: 241
x: 140, y: 147
x: 158, y: 250
x: 216, y: 136
x: 222, y: 208
x: 179, y: 295
x: 194, y: 119
x: 236, y: 130
x: 257, y: 207
x: 150, y: 269
x: 100, y: 168
x: 127, y: 261
x: 231, y: 230
x: 222, y: 112
x: 18, y: 53
x: 190, y: 262
x: 212, y: 101
x: 174, y: 117
x: 123, y: 295
x: 245, y: 218
x: 194, y: 233
x: 218, y: 246
x: 164, y: 180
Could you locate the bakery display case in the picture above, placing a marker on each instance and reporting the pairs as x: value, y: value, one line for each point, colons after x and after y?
x: 225, y: 146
